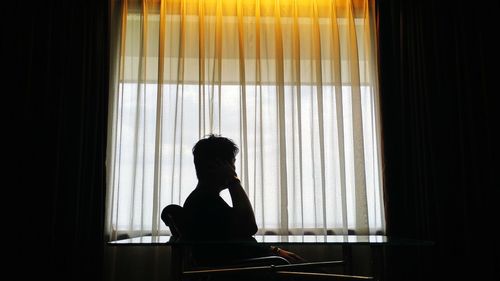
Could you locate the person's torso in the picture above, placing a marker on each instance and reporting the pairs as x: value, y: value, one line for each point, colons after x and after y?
x: 209, y: 220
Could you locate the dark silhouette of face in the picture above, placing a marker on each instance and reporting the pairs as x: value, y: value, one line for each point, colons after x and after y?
x: 214, y: 160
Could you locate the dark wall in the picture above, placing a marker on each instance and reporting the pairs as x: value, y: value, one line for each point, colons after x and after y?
x: 439, y: 105
x: 59, y: 82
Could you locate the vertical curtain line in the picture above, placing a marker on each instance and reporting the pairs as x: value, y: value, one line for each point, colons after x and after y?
x: 180, y: 81
x: 201, y: 70
x: 218, y: 50
x: 369, y: 52
x: 371, y: 34
x: 114, y: 155
x: 294, y: 83
x: 159, y: 106
x: 243, y: 99
x: 280, y: 92
x: 258, y: 84
x: 337, y: 78
x: 298, y: 97
x: 359, y: 158
x: 319, y: 84
x: 140, y: 90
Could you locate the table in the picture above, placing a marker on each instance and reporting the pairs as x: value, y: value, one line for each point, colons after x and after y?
x: 378, y: 243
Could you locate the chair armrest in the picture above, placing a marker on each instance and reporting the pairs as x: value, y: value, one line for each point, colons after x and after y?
x: 308, y: 265
x: 260, y: 261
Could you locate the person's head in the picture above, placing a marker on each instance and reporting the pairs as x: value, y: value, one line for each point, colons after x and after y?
x: 210, y: 149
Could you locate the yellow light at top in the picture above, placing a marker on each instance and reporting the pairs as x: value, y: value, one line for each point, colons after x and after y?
x: 267, y: 7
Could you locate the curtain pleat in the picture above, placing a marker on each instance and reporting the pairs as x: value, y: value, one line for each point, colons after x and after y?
x: 293, y: 83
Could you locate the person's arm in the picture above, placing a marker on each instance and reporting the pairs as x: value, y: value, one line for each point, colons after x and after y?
x: 290, y: 256
x: 243, y: 222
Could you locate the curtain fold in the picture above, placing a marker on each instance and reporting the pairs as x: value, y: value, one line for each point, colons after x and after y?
x: 293, y: 83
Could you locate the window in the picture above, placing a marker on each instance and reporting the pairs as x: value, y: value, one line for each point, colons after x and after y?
x: 295, y: 89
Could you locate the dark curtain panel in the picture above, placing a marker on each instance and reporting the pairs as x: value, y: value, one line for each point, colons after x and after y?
x: 59, y: 51
x: 439, y: 101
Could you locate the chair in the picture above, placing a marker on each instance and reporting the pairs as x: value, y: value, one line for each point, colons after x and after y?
x: 184, y: 267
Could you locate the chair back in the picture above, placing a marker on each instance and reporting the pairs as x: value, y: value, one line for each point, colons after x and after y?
x: 173, y: 216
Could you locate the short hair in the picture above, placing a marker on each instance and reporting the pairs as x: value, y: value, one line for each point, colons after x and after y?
x: 212, y: 147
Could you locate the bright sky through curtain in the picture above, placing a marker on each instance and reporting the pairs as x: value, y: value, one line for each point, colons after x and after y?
x: 293, y: 83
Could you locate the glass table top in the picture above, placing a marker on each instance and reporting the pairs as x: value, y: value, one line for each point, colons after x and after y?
x: 286, y: 239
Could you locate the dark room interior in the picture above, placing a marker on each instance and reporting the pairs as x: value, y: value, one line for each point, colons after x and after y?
x: 439, y: 103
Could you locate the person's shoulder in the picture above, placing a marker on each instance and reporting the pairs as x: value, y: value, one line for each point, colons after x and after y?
x: 195, y: 200
x: 201, y: 202
x: 191, y: 199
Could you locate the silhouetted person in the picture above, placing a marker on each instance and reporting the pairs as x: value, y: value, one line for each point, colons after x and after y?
x: 210, y: 218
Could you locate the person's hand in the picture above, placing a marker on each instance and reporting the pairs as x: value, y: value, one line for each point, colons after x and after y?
x: 232, y: 176
x: 289, y: 256
x: 225, y: 172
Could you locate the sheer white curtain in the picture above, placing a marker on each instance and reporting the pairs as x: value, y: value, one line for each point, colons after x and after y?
x: 293, y: 83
